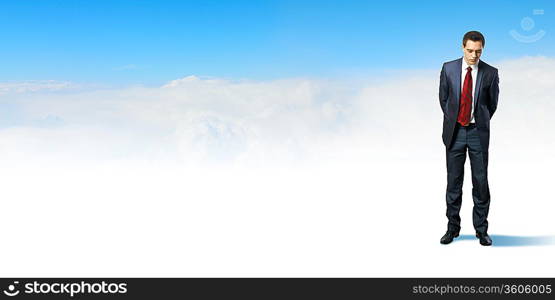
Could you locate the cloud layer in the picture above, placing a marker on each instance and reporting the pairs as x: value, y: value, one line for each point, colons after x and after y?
x: 292, y: 120
x: 293, y: 177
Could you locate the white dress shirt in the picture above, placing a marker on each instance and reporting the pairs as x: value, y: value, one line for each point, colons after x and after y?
x: 474, y: 74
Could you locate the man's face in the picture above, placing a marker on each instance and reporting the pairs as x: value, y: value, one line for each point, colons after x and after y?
x: 472, y: 51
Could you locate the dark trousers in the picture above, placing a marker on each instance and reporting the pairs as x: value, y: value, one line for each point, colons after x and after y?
x: 466, y: 137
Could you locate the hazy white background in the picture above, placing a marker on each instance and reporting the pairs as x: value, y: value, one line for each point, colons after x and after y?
x: 292, y: 177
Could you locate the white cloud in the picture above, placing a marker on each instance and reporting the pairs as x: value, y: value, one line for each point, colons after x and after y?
x: 206, y: 119
x: 33, y: 86
x: 213, y: 176
x: 287, y: 121
x: 126, y: 67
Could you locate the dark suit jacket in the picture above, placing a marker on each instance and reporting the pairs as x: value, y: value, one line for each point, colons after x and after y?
x: 485, y: 99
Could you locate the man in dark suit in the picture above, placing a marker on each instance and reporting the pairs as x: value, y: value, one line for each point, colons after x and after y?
x: 468, y: 93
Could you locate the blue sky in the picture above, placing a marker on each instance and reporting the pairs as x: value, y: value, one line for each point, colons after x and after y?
x: 152, y: 42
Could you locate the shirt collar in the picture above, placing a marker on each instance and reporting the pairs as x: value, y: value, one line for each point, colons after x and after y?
x: 465, y: 65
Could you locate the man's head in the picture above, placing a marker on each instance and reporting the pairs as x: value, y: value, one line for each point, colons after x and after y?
x: 472, y: 45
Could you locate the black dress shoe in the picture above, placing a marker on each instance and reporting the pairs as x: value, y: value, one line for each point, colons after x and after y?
x: 448, y: 237
x: 485, y: 240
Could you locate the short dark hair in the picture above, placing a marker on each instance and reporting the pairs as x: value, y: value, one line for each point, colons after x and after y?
x: 474, y: 36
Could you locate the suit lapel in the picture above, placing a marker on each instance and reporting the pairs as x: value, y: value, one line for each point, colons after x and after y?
x: 478, y: 83
x: 457, y: 77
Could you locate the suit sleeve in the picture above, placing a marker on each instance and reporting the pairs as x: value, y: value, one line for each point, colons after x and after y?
x: 443, y: 90
x: 493, y: 94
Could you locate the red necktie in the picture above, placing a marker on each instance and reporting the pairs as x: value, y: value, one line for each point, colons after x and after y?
x: 465, y: 106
